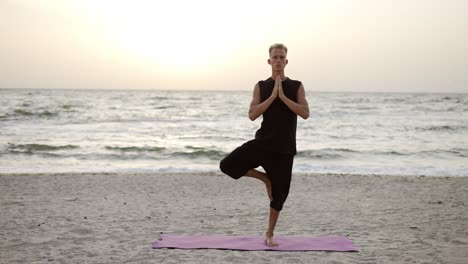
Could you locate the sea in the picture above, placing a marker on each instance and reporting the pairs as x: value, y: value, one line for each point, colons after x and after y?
x: 147, y: 131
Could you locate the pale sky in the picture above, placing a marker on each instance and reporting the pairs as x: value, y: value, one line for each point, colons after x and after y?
x: 348, y: 45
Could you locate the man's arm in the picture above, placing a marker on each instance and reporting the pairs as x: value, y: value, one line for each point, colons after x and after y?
x: 301, y: 108
x: 257, y: 108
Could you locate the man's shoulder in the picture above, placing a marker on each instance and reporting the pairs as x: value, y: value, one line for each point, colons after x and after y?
x: 295, y: 83
x: 266, y: 83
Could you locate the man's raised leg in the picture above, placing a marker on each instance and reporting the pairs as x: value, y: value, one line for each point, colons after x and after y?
x: 263, y: 177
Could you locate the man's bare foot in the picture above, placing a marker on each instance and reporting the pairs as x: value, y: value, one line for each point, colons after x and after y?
x: 269, y: 241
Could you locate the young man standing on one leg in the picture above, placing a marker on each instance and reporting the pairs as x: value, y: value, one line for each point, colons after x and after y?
x: 280, y: 100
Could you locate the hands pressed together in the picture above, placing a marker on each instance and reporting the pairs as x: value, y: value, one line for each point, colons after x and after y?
x: 299, y: 107
x: 278, y: 89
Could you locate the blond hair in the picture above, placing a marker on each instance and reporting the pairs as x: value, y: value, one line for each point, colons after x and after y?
x: 278, y: 46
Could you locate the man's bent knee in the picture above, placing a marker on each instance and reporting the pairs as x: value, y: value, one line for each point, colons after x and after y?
x: 223, y: 166
x: 228, y: 169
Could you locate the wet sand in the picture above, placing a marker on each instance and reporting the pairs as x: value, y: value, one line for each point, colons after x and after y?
x: 114, y: 218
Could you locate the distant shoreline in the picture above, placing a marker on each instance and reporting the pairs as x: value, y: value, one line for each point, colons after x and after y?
x: 212, y: 173
x: 230, y: 90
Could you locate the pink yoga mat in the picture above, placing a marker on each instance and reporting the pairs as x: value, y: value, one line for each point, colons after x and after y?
x: 286, y: 243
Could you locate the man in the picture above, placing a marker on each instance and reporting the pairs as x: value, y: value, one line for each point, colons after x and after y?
x: 279, y: 99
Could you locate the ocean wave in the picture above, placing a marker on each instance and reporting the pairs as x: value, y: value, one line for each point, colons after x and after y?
x: 21, y: 113
x: 442, y: 128
x: 160, y: 152
x: 39, y: 114
x: 454, y: 98
x: 447, y: 153
x: 461, y: 152
x: 159, y: 98
x: 163, y: 107
x: 65, y: 106
x: 32, y: 148
x: 343, y: 153
x: 355, y: 100
x: 366, y: 108
x: 436, y: 109
x: 337, y: 154
x: 200, y: 153
x: 395, y: 100
x: 326, y: 154
x: 69, y: 107
x: 423, y: 153
x: 136, y: 149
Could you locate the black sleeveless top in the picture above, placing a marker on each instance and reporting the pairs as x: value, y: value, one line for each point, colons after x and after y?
x: 278, y: 129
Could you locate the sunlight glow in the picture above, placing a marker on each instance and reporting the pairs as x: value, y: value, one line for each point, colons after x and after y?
x: 174, y: 36
x: 208, y: 44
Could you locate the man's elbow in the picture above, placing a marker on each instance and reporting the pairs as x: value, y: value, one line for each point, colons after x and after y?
x: 252, y: 117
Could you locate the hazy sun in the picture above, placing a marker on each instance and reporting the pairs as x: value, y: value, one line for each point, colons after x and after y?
x: 173, y: 35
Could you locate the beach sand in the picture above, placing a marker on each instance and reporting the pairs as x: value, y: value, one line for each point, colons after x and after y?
x: 114, y: 218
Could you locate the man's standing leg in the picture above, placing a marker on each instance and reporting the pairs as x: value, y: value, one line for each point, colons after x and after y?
x: 274, y: 215
x: 279, y: 170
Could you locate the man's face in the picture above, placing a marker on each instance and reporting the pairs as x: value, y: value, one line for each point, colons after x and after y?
x: 278, y: 59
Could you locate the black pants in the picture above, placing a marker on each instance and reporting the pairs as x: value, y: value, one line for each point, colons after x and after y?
x: 277, y: 166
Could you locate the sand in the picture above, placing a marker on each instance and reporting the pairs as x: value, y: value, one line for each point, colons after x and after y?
x: 114, y: 218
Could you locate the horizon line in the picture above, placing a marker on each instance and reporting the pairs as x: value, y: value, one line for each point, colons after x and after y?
x: 220, y: 90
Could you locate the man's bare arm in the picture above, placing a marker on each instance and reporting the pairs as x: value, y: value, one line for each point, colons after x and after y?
x: 257, y: 108
x: 301, y: 108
